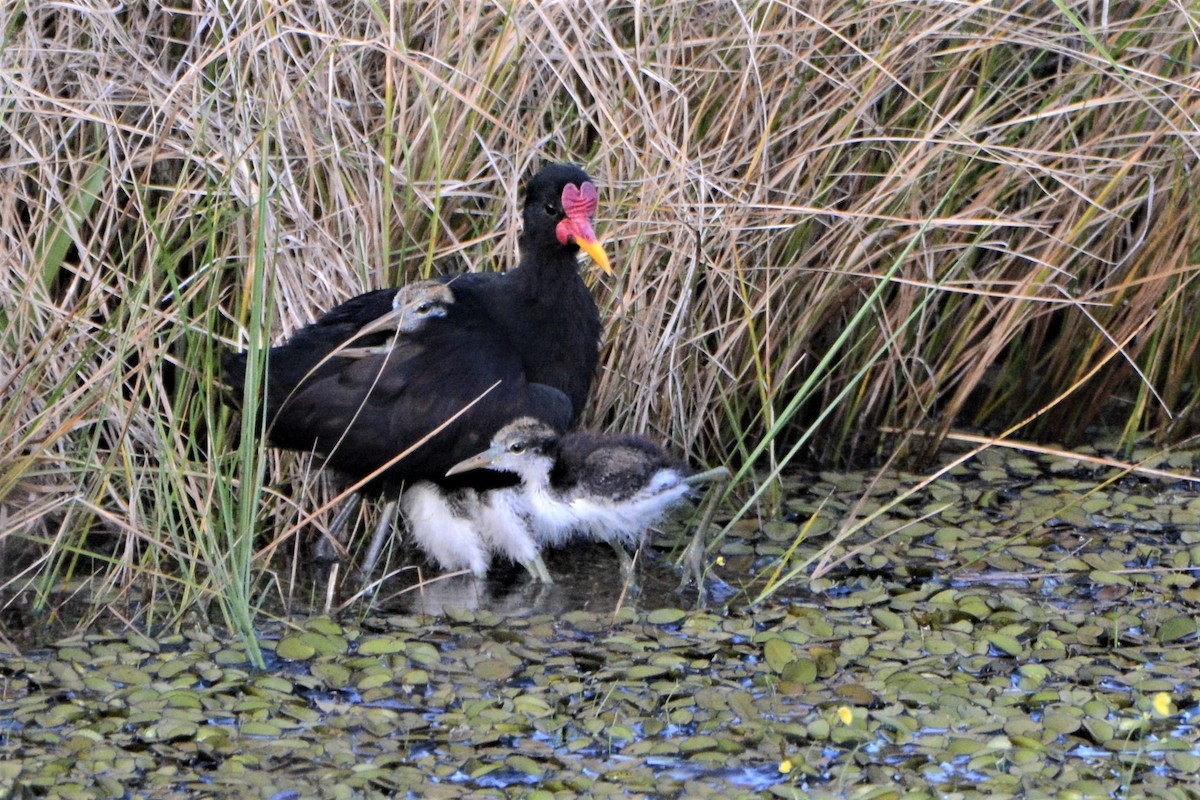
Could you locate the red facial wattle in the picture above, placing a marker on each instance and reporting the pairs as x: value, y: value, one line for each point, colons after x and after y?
x: 579, y: 203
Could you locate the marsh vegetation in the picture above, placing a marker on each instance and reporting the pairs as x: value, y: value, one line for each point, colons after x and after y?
x: 846, y: 236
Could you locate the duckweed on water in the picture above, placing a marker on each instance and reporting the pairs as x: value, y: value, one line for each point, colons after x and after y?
x: 1039, y: 632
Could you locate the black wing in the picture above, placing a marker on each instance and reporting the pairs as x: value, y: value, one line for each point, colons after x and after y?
x: 305, y: 355
x: 361, y: 413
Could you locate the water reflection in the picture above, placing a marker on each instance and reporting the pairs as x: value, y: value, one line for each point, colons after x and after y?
x: 587, y: 577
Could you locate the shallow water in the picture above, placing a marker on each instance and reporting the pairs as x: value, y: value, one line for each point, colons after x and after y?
x: 586, y: 578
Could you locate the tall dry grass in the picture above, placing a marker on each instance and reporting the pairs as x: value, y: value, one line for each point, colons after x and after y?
x: 829, y: 220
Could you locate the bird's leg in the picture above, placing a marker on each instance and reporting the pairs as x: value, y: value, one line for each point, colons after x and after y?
x: 625, y: 559
x: 693, y: 555
x: 377, y: 539
x: 537, y: 568
x: 330, y: 546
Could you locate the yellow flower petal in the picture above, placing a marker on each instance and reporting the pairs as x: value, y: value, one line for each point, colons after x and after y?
x: 785, y: 766
x: 1161, y: 704
x: 845, y: 715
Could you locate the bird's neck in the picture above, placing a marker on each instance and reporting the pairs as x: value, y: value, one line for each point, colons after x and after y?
x: 546, y: 277
x: 536, y: 478
x: 553, y: 322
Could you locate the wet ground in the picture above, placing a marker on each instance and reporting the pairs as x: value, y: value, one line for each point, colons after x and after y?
x: 1028, y: 627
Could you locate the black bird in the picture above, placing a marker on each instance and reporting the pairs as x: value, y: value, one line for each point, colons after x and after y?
x: 404, y: 406
x: 606, y: 487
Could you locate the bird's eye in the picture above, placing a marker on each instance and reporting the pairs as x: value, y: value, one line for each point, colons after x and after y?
x: 517, y: 447
x: 552, y: 209
x: 424, y: 308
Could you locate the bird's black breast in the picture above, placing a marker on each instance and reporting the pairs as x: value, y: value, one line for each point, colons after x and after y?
x: 555, y: 331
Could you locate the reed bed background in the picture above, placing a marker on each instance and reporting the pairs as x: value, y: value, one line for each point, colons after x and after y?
x: 835, y: 224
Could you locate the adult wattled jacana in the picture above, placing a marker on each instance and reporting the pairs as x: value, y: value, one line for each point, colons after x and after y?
x: 611, y: 488
x: 406, y: 406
